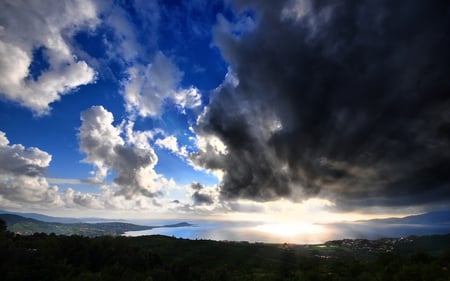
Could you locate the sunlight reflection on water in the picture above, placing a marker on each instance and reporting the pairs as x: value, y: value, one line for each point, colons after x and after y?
x: 289, y: 233
x: 251, y: 232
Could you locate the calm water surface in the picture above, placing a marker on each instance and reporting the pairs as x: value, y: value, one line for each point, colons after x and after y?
x: 280, y: 233
x: 237, y: 231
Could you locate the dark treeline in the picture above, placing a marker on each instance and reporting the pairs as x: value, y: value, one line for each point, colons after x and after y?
x: 52, y: 257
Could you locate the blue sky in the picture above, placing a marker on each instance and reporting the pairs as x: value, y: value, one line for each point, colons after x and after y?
x: 252, y: 110
x: 115, y: 43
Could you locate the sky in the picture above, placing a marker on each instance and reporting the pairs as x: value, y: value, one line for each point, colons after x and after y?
x: 280, y: 111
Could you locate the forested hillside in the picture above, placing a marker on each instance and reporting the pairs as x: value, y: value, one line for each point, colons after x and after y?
x: 27, y: 226
x: 59, y: 257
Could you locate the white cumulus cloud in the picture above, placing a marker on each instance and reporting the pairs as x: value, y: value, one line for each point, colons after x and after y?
x: 171, y: 143
x: 21, y: 179
x: 25, y: 27
x: 75, y: 199
x: 107, y: 151
x: 17, y: 160
x: 148, y: 86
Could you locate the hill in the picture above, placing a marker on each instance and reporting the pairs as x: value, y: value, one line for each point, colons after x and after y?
x: 53, y: 257
x: 28, y: 226
x: 46, y: 218
x: 431, y: 218
x: 424, y: 224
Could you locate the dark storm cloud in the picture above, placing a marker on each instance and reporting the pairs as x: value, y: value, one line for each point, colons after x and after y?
x: 196, y: 186
x: 200, y: 195
x: 343, y: 99
x: 202, y: 198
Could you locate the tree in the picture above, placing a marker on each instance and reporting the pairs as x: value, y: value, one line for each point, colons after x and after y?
x: 3, y: 226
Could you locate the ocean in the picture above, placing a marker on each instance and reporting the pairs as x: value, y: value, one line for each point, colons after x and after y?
x: 237, y: 231
x: 287, y: 233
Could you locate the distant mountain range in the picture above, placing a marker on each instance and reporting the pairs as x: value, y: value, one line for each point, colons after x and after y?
x: 45, y: 218
x: 27, y: 225
x: 424, y: 224
x: 431, y: 218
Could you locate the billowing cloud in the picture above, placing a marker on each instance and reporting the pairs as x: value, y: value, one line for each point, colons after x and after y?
x: 171, y: 143
x: 76, y: 199
x: 202, y: 195
x: 29, y: 190
x: 342, y: 100
x: 196, y: 186
x: 18, y: 160
x: 106, y: 150
x: 23, y: 181
x: 202, y: 198
x: 130, y: 41
x: 148, y: 86
x: 151, y: 78
x: 27, y: 28
x: 21, y: 175
x: 139, y: 138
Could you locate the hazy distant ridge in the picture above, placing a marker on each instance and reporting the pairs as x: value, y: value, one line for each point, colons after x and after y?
x: 27, y: 226
x: 46, y: 218
x: 424, y: 224
x: 431, y: 218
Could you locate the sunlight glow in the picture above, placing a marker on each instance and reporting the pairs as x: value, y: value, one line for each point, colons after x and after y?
x: 290, y: 230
